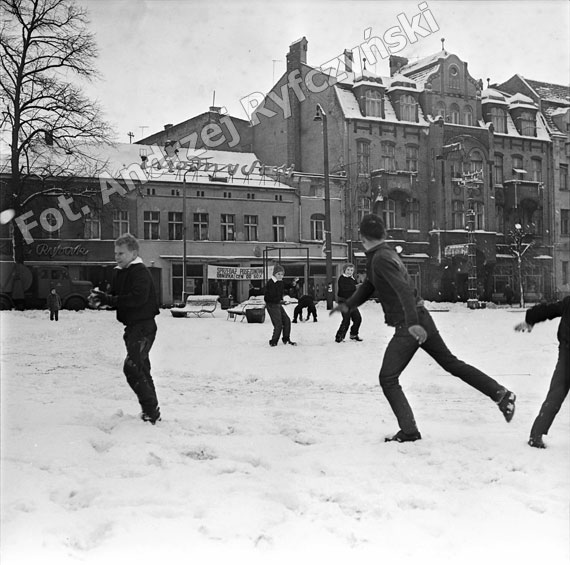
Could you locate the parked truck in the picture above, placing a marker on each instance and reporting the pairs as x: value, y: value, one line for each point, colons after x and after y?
x: 27, y: 286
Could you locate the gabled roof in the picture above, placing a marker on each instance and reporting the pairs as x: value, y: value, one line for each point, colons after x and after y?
x: 550, y: 92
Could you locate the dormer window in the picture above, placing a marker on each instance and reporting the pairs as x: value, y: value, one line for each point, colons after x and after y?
x: 499, y: 120
x: 527, y: 125
x: 454, y: 78
x: 373, y: 103
x: 407, y: 108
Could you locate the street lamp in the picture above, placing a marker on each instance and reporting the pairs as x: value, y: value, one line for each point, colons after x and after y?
x: 321, y: 116
x: 184, y: 235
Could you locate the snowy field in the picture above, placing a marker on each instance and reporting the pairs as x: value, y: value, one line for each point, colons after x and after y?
x: 275, y: 455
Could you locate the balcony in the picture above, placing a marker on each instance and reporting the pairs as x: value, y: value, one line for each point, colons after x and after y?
x: 517, y: 190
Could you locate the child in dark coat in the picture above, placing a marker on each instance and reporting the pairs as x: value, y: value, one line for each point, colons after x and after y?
x: 346, y: 288
x: 273, y: 303
x: 560, y: 383
x: 306, y: 301
x: 54, y: 305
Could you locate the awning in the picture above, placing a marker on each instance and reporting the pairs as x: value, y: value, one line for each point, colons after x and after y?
x: 519, y: 171
x: 458, y: 249
x: 543, y: 257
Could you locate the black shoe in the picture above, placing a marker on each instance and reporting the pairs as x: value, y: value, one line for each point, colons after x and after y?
x: 536, y: 441
x: 315, y: 320
x: 289, y: 342
x: 355, y: 338
x: 272, y: 343
x: 507, y: 405
x: 338, y: 339
x: 295, y: 321
x: 401, y: 437
x: 152, y: 418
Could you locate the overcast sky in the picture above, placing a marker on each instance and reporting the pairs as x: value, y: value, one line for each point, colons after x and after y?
x: 162, y: 60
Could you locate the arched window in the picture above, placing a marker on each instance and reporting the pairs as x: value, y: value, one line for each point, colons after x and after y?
x: 527, y: 124
x: 318, y: 227
x: 454, y: 114
x: 475, y: 161
x: 499, y: 120
x: 373, y: 103
x: 440, y: 109
x: 454, y: 77
x: 468, y: 116
x: 407, y: 108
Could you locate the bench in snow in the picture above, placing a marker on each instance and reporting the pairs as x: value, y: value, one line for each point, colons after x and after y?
x: 253, y: 303
x: 196, y: 305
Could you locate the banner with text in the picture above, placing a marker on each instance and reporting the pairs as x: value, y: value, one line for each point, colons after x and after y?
x: 237, y: 273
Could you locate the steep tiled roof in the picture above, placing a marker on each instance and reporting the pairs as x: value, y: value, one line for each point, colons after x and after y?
x: 551, y: 92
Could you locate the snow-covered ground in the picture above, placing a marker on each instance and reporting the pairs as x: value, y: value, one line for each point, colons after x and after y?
x: 275, y: 455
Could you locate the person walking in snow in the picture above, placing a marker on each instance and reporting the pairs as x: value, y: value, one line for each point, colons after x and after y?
x: 273, y: 296
x: 560, y: 382
x: 54, y: 304
x: 306, y: 301
x: 388, y: 280
x: 346, y: 287
x: 134, y: 297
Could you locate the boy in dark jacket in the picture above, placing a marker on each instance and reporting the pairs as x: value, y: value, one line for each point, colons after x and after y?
x: 273, y: 303
x: 306, y: 301
x: 388, y: 280
x: 560, y: 383
x: 133, y: 295
x: 346, y: 288
x: 54, y: 305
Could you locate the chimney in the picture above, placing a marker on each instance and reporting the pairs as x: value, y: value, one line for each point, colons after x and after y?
x: 168, y: 126
x: 297, y: 54
x: 348, y: 60
x: 396, y: 63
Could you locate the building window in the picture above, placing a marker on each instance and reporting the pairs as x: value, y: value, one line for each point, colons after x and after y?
x: 457, y: 215
x: 518, y: 170
x: 250, y: 225
x: 499, y: 120
x: 440, y: 109
x: 363, y: 157
x: 564, y: 272
x: 479, y: 212
x: 373, y: 103
x: 563, y: 177
x: 278, y: 228
x: 411, y: 158
x: 200, y: 193
x: 120, y: 223
x: 200, y: 227
x: 498, y: 170
x: 317, y: 227
x: 54, y: 226
x: 454, y: 114
x: 476, y: 163
x: 364, y: 207
x: 454, y: 78
x: 228, y: 224
x: 564, y: 222
x: 527, y: 124
x: 151, y: 225
x: 388, y: 156
x: 389, y: 213
x: 500, y: 219
x: 407, y: 108
x: 468, y: 116
x: 175, y: 226
x: 227, y: 194
x: 536, y: 170
x: 92, y: 227
x: 279, y: 197
x: 414, y: 214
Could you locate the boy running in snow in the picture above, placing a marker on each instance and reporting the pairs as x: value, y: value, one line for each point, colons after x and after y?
x: 560, y: 383
x: 273, y: 303
x: 133, y: 295
x: 388, y: 280
x: 346, y: 288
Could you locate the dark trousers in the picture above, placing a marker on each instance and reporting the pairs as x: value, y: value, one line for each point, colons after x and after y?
x: 347, y: 317
x: 298, y: 312
x: 558, y: 391
x: 54, y: 315
x: 280, y: 320
x: 138, y: 339
x: 399, y: 353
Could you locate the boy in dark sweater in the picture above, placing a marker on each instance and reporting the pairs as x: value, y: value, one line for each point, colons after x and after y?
x: 560, y: 383
x: 133, y: 295
x: 306, y: 301
x: 273, y: 303
x: 346, y: 288
x: 388, y: 280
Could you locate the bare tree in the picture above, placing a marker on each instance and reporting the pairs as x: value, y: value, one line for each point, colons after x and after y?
x: 45, y: 44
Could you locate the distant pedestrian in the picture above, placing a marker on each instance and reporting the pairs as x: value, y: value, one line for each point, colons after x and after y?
x: 306, y: 301
x: 274, y: 291
x: 509, y: 294
x: 388, y: 280
x: 346, y: 288
x: 54, y: 305
x: 133, y: 295
x: 560, y: 383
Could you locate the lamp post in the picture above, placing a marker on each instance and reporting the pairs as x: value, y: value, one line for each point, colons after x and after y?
x: 184, y: 235
x: 321, y: 116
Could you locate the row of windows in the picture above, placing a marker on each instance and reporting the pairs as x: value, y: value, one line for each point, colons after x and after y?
x: 387, y: 157
x: 455, y: 115
x: 151, y: 191
x: 525, y: 122
x: 519, y: 170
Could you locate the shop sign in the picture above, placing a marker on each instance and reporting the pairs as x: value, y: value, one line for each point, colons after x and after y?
x: 236, y: 273
x: 47, y: 250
